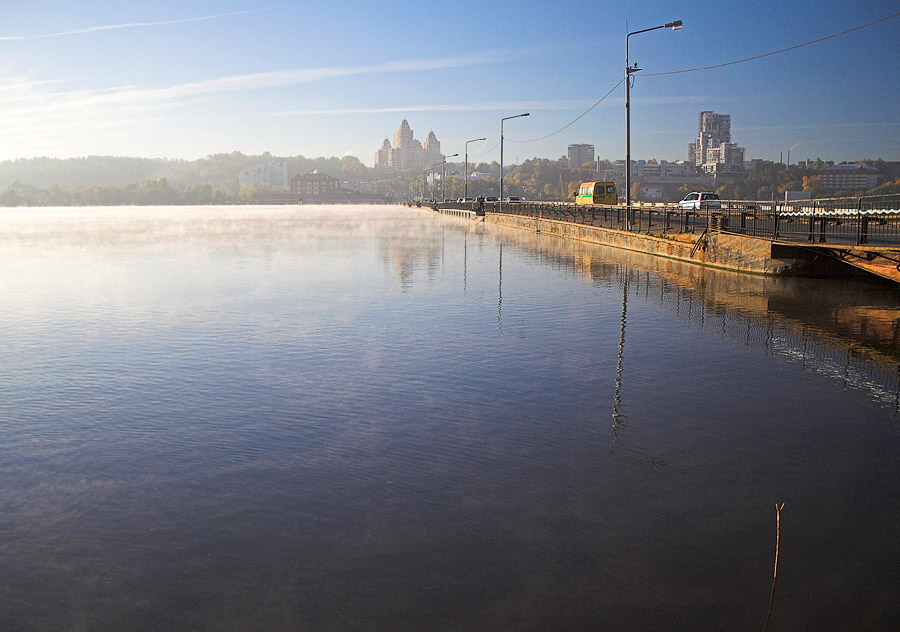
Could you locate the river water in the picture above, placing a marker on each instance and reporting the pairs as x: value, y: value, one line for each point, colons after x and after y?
x: 380, y: 418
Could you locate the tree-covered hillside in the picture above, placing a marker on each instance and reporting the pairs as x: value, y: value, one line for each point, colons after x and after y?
x: 219, y: 170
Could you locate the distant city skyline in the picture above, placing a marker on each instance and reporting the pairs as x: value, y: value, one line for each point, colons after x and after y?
x: 198, y: 77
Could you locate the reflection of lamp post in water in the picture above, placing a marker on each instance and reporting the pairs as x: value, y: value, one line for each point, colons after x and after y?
x: 628, y: 72
x: 619, y: 418
x: 500, y: 291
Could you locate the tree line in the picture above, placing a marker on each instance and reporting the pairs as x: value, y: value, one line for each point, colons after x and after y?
x: 104, y: 180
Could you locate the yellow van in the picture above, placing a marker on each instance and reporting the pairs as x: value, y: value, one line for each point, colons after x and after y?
x: 597, y: 193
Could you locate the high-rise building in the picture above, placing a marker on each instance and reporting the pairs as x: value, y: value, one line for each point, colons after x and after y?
x: 579, y: 155
x: 713, y: 150
x: 713, y: 129
x: 431, y: 150
x: 407, y: 152
x: 407, y: 147
x: 383, y: 155
x: 272, y: 175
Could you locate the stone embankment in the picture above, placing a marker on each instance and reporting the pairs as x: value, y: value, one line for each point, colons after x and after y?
x: 711, y: 248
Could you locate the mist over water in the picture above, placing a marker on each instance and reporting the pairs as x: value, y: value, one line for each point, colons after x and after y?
x: 379, y: 418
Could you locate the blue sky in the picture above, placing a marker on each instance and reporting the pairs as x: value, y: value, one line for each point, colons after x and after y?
x: 196, y: 77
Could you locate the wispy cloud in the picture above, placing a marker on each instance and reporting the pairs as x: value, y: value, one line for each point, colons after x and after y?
x: 46, y: 112
x: 469, y: 106
x: 132, y: 25
x: 42, y: 95
x: 254, y: 81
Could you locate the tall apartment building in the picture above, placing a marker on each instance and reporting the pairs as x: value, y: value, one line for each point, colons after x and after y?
x: 713, y: 151
x: 579, y: 155
x: 407, y: 152
x: 431, y: 150
x: 272, y: 175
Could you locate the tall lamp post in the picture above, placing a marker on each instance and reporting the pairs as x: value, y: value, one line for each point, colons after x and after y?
x: 433, y: 185
x: 501, y: 153
x: 628, y: 72
x: 475, y: 140
x: 444, y: 162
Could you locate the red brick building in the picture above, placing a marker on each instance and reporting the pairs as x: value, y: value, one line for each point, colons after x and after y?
x: 313, y: 184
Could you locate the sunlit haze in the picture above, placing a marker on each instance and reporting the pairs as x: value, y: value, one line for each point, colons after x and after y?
x: 197, y: 77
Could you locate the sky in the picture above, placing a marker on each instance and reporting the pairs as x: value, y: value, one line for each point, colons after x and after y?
x: 191, y: 78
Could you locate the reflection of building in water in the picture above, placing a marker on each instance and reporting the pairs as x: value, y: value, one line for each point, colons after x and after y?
x: 409, y: 253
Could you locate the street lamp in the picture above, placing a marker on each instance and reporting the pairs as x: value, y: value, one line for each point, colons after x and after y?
x: 501, y: 153
x: 628, y: 72
x: 443, y: 196
x: 466, y: 194
x: 430, y: 171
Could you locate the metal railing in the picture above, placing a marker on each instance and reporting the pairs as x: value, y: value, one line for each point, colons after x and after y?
x: 873, y: 221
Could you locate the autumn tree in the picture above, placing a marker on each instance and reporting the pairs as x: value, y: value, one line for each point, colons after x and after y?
x: 813, y: 184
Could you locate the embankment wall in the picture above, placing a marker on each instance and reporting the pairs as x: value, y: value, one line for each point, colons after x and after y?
x: 718, y: 250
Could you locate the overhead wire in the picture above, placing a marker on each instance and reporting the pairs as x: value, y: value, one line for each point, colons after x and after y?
x: 775, y: 52
x: 488, y: 150
x: 574, y: 120
x: 713, y: 67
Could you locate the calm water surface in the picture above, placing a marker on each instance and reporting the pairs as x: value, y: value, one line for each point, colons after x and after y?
x: 378, y: 418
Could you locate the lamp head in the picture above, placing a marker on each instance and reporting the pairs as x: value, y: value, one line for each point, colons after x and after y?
x: 674, y: 25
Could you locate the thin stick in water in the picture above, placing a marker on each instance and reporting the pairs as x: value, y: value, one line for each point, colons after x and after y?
x: 775, y: 572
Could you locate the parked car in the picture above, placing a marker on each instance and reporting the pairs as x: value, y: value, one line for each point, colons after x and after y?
x: 513, y: 198
x: 700, y: 200
x: 465, y: 200
x: 490, y: 198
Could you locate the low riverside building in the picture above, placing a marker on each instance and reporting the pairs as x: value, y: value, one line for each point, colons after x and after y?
x: 849, y: 177
x: 313, y: 184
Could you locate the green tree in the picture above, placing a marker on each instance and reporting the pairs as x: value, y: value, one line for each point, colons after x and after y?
x: 200, y: 193
x: 254, y: 192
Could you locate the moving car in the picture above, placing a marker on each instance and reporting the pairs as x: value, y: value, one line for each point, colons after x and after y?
x: 700, y: 200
